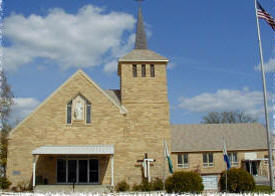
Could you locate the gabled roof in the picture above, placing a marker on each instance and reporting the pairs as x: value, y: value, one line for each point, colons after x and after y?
x: 141, y: 55
x: 108, y: 95
x: 209, y: 137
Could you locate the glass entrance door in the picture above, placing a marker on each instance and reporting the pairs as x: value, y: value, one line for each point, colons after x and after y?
x: 93, y: 171
x: 77, y: 171
x: 83, y: 171
x: 72, y: 166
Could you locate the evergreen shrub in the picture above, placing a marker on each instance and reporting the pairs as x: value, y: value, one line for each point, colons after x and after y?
x: 238, y: 181
x: 157, y: 184
x: 122, y: 186
x: 145, y: 186
x: 183, y: 182
x: 4, y: 183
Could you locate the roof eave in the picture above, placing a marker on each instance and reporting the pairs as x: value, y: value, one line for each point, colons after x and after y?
x: 136, y: 60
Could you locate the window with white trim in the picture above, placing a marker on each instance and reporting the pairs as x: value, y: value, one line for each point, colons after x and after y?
x: 233, y: 157
x: 208, y: 159
x: 183, y: 160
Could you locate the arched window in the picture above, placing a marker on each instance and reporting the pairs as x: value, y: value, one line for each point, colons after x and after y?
x: 69, y: 112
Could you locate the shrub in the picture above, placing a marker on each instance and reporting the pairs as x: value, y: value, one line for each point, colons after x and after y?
x: 263, y: 189
x: 238, y: 181
x: 145, y: 186
x: 157, y: 184
x: 24, y: 186
x: 136, y: 187
x: 181, y: 182
x: 4, y: 183
x: 122, y: 186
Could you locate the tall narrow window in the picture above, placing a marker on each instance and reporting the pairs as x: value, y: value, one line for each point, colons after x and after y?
x: 134, y: 70
x: 88, y: 112
x: 143, y: 70
x: 152, y: 70
x: 69, y: 112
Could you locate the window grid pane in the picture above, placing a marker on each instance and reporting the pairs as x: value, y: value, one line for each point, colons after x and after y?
x: 180, y: 159
x: 205, y: 160
x: 185, y: 159
x: 210, y: 157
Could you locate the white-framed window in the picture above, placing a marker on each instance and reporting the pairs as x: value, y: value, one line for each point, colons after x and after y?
x: 208, y: 159
x: 233, y: 157
x: 183, y: 160
x: 73, y: 113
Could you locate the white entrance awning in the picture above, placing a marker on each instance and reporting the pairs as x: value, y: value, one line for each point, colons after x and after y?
x: 74, y: 150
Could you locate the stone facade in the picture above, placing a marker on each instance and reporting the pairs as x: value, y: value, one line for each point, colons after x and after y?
x: 140, y: 130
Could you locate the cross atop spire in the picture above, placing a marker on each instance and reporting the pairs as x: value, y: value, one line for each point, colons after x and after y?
x: 141, y: 42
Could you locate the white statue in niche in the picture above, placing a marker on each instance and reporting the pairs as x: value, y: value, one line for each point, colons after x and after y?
x: 78, y: 110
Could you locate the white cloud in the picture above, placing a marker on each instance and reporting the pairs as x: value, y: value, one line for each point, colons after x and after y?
x: 225, y: 100
x: 111, y: 65
x: 22, y: 107
x: 89, y: 38
x: 269, y: 66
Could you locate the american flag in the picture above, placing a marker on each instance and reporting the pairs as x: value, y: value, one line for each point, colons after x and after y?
x: 262, y: 14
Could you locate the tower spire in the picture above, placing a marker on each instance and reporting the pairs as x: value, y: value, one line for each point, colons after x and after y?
x: 141, y: 42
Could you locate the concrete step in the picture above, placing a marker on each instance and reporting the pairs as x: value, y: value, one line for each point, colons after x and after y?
x: 69, y: 188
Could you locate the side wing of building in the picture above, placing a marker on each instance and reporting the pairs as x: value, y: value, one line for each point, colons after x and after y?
x: 199, y: 147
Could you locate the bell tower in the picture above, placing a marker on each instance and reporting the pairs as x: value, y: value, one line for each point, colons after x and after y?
x: 142, y: 72
x: 143, y: 89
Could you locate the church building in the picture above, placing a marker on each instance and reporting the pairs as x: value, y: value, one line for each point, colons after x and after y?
x: 83, y: 134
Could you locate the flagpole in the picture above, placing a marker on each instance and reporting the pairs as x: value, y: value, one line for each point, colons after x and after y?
x: 224, y: 144
x: 271, y: 179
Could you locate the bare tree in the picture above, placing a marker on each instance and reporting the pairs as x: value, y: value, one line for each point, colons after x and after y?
x: 227, y: 117
x: 6, y: 102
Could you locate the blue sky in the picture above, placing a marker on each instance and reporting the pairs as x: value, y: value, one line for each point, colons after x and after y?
x: 212, y: 48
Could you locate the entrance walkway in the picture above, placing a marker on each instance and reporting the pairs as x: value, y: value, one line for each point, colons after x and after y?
x: 261, y: 180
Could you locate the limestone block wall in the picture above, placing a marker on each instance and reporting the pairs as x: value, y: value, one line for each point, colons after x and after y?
x: 140, y: 131
x: 143, y: 89
x: 47, y: 126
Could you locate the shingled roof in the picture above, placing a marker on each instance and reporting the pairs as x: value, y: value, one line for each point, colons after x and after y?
x: 209, y: 137
x: 114, y: 94
x: 137, y: 55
